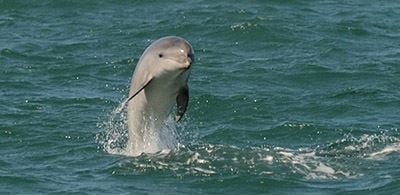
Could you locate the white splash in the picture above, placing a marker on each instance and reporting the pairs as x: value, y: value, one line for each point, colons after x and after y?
x: 379, y: 155
x: 155, y: 140
x: 160, y: 141
x: 116, y: 130
x: 309, y: 164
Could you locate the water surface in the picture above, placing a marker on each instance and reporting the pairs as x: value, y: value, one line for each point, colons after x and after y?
x: 286, y: 97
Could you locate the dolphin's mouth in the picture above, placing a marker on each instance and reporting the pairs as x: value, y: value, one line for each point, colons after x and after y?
x: 185, y: 69
x: 189, y: 61
x: 187, y: 65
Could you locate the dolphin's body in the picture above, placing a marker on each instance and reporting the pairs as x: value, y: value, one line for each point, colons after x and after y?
x: 158, y: 82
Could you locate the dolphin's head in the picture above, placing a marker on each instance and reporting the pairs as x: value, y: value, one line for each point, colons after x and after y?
x: 169, y: 55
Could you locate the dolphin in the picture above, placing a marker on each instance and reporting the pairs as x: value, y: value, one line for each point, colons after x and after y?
x: 160, y: 81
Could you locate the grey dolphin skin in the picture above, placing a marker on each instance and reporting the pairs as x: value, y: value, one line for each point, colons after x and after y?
x: 158, y: 82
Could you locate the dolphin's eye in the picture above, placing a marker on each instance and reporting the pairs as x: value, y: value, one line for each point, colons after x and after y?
x: 160, y: 55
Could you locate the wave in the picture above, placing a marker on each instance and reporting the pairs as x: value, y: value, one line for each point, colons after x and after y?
x: 331, y: 161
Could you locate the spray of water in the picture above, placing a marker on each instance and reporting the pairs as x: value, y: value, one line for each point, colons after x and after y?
x: 115, y: 139
x: 152, y: 138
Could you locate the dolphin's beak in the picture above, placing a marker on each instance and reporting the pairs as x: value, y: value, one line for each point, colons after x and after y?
x: 190, y: 60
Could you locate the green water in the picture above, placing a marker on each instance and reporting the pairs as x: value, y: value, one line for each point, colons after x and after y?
x: 286, y: 97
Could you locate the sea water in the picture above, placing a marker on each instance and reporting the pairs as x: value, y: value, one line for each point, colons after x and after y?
x: 286, y: 97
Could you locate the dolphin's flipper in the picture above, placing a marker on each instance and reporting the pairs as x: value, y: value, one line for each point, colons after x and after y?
x: 182, y: 102
x: 140, y: 88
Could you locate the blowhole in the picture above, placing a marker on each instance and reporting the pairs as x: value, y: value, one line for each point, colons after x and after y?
x: 160, y: 55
